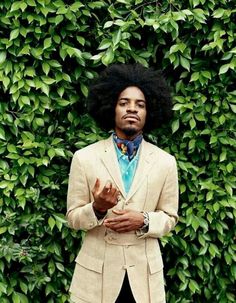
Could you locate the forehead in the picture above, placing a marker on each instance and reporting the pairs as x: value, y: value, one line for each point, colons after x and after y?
x: 132, y: 92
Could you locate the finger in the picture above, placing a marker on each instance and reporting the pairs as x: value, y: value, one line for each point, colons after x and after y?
x: 116, y: 192
x: 116, y: 220
x: 122, y: 226
x: 112, y: 192
x: 118, y: 196
x: 96, y: 186
x: 118, y: 212
x: 107, y: 186
x: 113, y: 195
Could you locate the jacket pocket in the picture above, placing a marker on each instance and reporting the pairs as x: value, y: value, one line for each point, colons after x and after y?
x: 87, y: 279
x: 155, y: 265
x: 154, y: 258
x: 90, y: 263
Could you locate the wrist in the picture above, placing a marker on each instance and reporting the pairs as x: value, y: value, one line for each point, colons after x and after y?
x: 99, y: 210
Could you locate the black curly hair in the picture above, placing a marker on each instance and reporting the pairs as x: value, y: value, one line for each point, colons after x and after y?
x: 104, y: 93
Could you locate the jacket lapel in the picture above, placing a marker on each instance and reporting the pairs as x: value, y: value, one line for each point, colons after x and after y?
x: 110, y: 161
x: 109, y: 158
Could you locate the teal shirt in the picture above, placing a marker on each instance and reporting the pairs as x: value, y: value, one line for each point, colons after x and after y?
x: 127, y: 168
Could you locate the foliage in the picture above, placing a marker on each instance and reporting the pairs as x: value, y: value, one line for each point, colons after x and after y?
x: 49, y: 53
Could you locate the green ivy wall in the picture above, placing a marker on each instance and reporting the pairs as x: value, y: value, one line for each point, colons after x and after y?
x: 50, y: 50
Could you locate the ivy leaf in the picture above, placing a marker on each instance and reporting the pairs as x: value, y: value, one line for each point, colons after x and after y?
x: 108, y: 57
x: 3, y: 56
x: 185, y: 63
x: 224, y: 68
x: 175, y: 126
x: 51, y: 222
x: 116, y: 37
x: 14, y: 34
x: 47, y: 43
x: 2, y: 133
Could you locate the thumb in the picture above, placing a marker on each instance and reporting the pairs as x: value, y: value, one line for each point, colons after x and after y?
x: 119, y: 212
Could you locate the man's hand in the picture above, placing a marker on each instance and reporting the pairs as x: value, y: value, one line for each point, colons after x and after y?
x: 126, y: 220
x: 105, y: 198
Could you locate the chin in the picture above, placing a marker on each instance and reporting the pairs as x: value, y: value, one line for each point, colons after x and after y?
x: 130, y: 131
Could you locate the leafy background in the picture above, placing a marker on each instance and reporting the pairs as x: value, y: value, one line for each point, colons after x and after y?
x: 49, y: 53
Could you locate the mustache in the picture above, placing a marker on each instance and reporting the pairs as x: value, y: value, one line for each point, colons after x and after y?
x: 131, y: 116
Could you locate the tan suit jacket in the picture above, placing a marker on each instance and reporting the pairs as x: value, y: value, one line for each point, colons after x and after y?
x: 105, y: 255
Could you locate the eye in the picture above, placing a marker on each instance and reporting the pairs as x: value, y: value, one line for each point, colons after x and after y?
x: 122, y: 103
x: 141, y: 105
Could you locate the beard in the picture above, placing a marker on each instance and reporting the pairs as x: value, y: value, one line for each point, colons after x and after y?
x: 130, y: 131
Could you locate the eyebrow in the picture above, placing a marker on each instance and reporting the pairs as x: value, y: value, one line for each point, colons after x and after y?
x: 127, y: 99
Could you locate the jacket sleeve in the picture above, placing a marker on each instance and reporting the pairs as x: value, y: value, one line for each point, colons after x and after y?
x: 80, y: 214
x: 165, y: 217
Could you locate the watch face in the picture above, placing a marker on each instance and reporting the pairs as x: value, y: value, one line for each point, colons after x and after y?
x: 145, y: 220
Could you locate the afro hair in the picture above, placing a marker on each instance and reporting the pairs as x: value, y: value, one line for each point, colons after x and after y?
x: 104, y: 93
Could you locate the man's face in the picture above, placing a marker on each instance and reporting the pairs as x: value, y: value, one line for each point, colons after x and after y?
x: 130, y: 113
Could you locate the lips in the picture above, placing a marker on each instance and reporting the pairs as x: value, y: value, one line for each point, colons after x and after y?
x: 131, y: 117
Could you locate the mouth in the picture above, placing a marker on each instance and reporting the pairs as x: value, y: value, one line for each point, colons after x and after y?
x: 132, y: 117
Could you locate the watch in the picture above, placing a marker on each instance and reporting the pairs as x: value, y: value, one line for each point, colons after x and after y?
x: 145, y: 220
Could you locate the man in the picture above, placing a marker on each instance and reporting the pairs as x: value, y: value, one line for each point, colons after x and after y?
x: 123, y: 191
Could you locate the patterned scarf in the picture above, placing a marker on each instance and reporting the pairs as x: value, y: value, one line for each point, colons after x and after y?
x: 127, y: 147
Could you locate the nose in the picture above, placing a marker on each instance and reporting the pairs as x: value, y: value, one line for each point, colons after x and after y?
x: 132, y: 107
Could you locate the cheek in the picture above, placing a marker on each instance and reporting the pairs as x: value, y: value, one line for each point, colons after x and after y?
x: 117, y: 118
x: 118, y: 113
x: 144, y: 117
